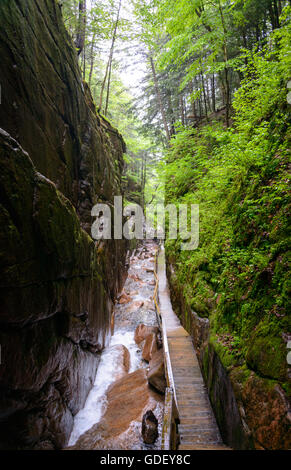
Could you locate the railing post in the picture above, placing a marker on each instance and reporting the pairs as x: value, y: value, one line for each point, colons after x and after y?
x: 170, y: 436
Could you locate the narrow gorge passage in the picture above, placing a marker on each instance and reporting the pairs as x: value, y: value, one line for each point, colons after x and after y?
x: 119, y: 117
x: 119, y: 360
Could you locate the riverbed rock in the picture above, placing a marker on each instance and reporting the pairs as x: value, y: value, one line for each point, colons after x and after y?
x: 143, y: 331
x: 150, y: 347
x: 149, y: 428
x: 268, y: 413
x: 58, y: 157
x: 156, y: 372
x: 121, y: 357
x: 128, y: 400
x: 124, y: 298
x: 149, y: 305
x: 135, y: 305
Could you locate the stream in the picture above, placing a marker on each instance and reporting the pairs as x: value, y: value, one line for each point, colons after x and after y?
x: 135, y: 306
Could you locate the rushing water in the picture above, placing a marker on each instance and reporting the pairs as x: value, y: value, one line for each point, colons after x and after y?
x: 140, y: 287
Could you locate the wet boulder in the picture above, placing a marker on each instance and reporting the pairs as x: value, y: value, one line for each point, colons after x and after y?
x: 121, y: 357
x: 143, y: 331
x: 149, y: 428
x: 150, y: 347
x: 135, y: 305
x: 156, y: 373
x: 124, y: 298
x: 128, y: 400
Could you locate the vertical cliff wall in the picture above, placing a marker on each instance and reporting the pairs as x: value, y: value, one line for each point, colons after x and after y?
x: 57, y: 159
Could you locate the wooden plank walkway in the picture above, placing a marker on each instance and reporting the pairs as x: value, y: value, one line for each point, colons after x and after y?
x: 198, y: 429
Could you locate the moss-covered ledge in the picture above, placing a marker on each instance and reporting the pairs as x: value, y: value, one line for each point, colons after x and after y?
x: 252, y: 410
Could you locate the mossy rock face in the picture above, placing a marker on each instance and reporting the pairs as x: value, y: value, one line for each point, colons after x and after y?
x: 267, y: 355
x: 49, y: 110
x: 252, y: 410
x: 55, y: 305
x: 56, y: 289
x: 267, y: 412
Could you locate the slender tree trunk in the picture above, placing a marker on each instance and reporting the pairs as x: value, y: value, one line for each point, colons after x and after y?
x: 92, y: 59
x: 171, y: 112
x: 204, y: 94
x: 84, y: 63
x: 181, y: 101
x: 226, y: 70
x: 141, y: 180
x: 200, y: 108
x: 185, y: 110
x: 276, y: 14
x: 111, y: 57
x: 273, y: 10
x: 108, y: 87
x: 213, y: 93
x: 208, y: 94
x: 193, y: 104
x: 109, y: 62
x: 81, y: 31
x: 103, y: 86
x: 159, y: 98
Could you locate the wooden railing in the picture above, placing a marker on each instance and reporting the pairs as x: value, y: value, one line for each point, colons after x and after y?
x: 170, y: 436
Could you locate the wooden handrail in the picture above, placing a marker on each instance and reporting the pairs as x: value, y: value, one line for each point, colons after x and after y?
x: 171, y: 413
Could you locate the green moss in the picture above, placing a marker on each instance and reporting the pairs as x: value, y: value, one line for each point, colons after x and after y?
x: 228, y: 358
x: 205, y: 362
x: 266, y: 354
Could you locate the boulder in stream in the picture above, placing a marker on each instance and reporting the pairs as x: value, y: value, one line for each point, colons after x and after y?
x: 135, y: 305
x: 120, y: 354
x: 124, y: 298
x: 128, y: 400
x: 149, y: 428
x: 156, y: 373
x: 150, y: 347
x: 143, y: 331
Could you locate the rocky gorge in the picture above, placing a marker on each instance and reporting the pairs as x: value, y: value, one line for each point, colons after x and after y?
x: 124, y: 410
x: 122, y: 344
x: 57, y: 289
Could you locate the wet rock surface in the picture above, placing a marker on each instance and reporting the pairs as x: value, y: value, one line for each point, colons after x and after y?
x: 149, y: 427
x: 128, y: 399
x: 56, y: 290
x: 143, y: 331
x: 156, y: 372
x: 150, y: 347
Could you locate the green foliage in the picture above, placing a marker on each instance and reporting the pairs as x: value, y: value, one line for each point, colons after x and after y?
x: 239, y: 274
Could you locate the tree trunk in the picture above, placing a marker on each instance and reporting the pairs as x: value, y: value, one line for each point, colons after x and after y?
x: 181, y: 101
x: 109, y: 64
x: 171, y: 113
x: 213, y: 93
x: 208, y: 94
x: 159, y: 98
x: 111, y: 57
x: 193, y: 104
x: 92, y: 59
x: 204, y: 94
x: 226, y: 70
x: 84, y: 63
x: 81, y: 31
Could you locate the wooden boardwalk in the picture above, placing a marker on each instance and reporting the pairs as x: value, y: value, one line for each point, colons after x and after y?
x: 197, y: 428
